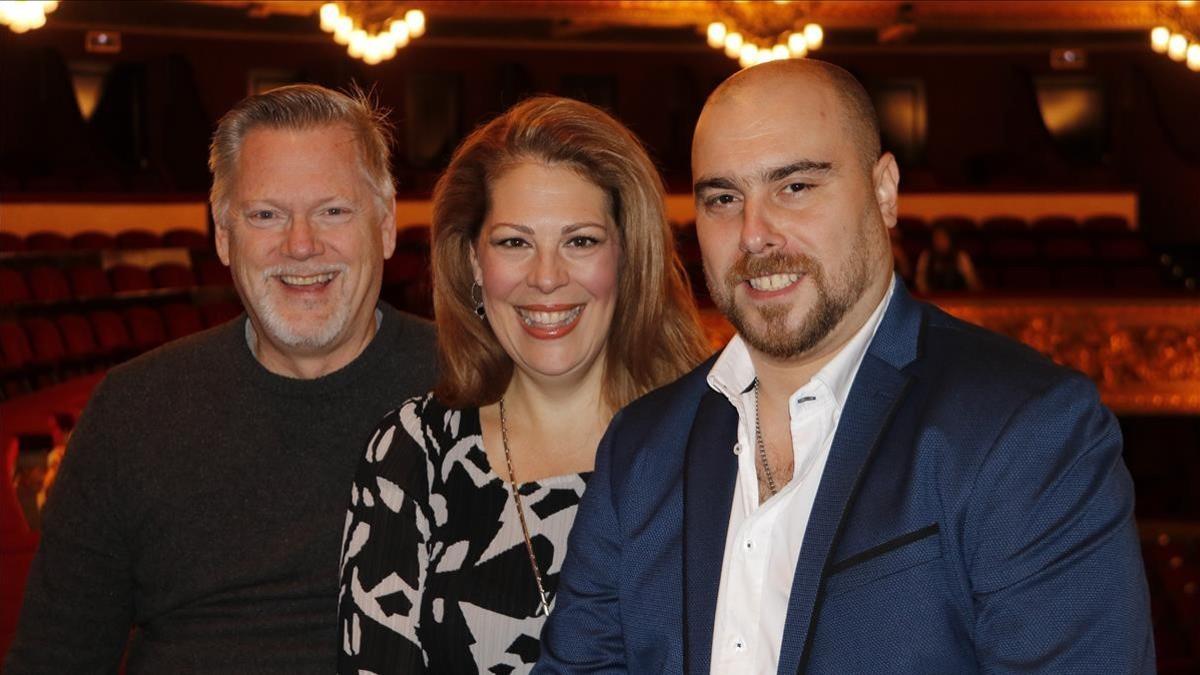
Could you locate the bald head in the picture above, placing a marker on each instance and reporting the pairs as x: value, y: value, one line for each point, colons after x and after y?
x: 856, y: 111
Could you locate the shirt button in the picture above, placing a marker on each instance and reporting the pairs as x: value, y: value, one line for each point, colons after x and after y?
x: 749, y: 544
x: 739, y: 645
x: 737, y: 448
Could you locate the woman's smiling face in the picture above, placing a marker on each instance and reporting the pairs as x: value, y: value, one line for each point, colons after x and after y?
x: 547, y: 259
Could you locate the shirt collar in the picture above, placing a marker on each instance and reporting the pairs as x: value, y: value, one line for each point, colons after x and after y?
x: 733, y: 373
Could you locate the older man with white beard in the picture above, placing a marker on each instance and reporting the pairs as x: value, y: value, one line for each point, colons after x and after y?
x: 197, y: 516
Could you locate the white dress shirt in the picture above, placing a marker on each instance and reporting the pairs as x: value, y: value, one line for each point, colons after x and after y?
x: 763, y: 541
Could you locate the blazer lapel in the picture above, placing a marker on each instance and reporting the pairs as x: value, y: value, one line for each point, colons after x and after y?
x: 710, y: 472
x: 878, y: 387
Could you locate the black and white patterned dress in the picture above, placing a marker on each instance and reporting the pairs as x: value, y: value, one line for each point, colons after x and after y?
x: 434, y: 573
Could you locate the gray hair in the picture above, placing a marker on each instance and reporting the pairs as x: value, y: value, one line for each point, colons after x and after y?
x: 301, y: 106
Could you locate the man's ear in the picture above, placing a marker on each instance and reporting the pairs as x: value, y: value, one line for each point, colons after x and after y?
x: 221, y: 236
x: 886, y: 176
x: 387, y: 230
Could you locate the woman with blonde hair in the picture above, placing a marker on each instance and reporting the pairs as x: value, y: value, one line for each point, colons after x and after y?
x: 559, y: 298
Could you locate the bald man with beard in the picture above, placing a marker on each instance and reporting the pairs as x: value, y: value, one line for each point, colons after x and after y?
x: 858, y: 482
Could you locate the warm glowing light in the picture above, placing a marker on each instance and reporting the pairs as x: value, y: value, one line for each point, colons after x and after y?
x: 780, y: 52
x: 388, y: 44
x: 358, y: 43
x: 814, y: 35
x: 797, y: 45
x: 25, y: 15
x: 748, y: 56
x: 716, y: 34
x: 329, y: 16
x: 415, y: 19
x: 342, y: 30
x: 1159, y: 38
x: 399, y: 31
x: 1177, y: 47
x: 733, y: 45
x: 1193, y: 57
x: 1186, y: 3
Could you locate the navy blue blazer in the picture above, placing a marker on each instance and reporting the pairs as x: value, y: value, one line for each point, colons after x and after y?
x: 974, y: 515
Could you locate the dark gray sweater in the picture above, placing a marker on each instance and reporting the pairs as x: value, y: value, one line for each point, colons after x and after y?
x: 201, y: 503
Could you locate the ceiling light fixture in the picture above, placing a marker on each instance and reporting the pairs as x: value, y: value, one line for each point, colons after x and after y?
x: 757, y: 32
x: 1178, y: 34
x: 25, y: 15
x: 371, y: 32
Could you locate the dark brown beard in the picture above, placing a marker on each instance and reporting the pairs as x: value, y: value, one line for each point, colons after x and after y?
x: 771, y: 335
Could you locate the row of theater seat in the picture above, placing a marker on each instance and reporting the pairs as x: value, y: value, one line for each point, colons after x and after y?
x: 50, y: 284
x: 39, y: 350
x: 52, y: 242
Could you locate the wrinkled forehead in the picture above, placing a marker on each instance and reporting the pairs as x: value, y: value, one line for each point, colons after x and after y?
x: 776, y: 121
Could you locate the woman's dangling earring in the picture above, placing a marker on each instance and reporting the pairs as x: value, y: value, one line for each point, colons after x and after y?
x: 477, y: 290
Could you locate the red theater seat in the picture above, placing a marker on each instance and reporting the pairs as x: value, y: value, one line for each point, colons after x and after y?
x: 77, y: 336
x: 1108, y: 223
x: 1011, y: 248
x: 11, y: 243
x: 132, y: 239
x: 111, y: 333
x: 172, y: 275
x: 46, y: 241
x: 45, y: 340
x: 217, y: 313
x: 13, y: 289
x: 145, y: 327
x: 956, y: 224
x: 1090, y: 278
x: 14, y: 344
x: 181, y: 319
x: 92, y: 241
x: 1004, y: 225
x: 129, y: 278
x: 1056, y: 225
x: 211, y: 272
x: 1068, y: 247
x: 1137, y: 278
x: 1122, y: 247
x: 189, y: 239
x: 47, y: 284
x: 1025, y: 278
x: 89, y: 281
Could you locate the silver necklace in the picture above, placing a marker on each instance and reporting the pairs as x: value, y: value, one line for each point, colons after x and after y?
x: 758, y: 437
x: 512, y: 485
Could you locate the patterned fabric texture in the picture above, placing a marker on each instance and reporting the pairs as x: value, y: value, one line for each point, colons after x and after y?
x: 435, y: 576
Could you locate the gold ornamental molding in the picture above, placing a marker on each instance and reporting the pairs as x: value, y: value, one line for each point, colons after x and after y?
x: 1142, y: 353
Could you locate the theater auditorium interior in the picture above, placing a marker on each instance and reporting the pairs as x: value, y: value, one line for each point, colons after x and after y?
x: 1054, y: 144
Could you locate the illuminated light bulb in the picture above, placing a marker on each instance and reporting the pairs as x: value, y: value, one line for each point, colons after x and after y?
x: 1177, y: 47
x: 373, y: 50
x: 814, y: 35
x: 797, y: 45
x: 1193, y: 57
x: 388, y: 42
x: 780, y: 52
x: 399, y: 30
x: 358, y: 43
x: 748, y: 56
x: 329, y: 16
x: 415, y: 19
x: 1159, y: 38
x: 716, y: 35
x: 343, y: 29
x: 763, y: 56
x: 49, y: 6
x: 733, y: 45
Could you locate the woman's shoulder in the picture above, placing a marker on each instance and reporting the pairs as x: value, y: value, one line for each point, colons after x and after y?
x: 425, y: 424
